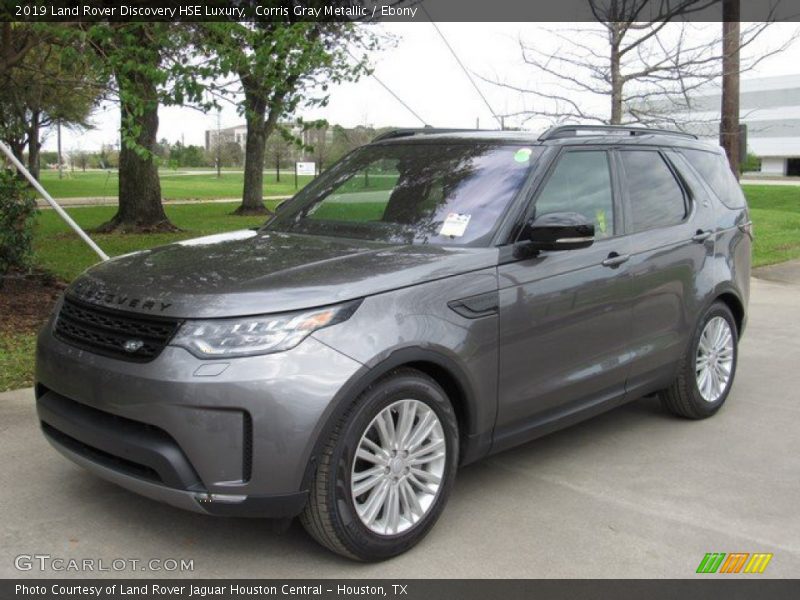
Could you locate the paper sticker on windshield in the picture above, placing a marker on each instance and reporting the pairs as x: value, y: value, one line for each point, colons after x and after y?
x: 455, y: 225
x: 522, y: 155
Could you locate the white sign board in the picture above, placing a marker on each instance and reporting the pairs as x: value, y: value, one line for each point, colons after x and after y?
x: 306, y: 168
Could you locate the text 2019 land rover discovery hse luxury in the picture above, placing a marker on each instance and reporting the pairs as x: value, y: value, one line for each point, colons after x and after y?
x: 430, y: 299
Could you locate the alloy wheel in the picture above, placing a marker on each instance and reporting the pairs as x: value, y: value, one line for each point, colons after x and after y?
x: 398, y: 467
x: 714, y: 359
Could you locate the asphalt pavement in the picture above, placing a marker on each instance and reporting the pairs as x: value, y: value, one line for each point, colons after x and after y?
x: 632, y: 493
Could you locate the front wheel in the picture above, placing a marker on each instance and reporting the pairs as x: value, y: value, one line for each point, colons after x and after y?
x: 705, y: 374
x: 383, y: 478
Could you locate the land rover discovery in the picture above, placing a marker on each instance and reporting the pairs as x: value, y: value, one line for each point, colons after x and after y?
x: 434, y: 297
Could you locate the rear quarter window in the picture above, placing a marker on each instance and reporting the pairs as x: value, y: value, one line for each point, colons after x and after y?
x: 714, y: 169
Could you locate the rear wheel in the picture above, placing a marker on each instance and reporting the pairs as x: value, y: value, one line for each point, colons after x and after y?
x: 706, y: 373
x: 385, y: 473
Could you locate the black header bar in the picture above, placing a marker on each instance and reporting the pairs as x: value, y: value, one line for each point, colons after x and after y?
x: 412, y: 11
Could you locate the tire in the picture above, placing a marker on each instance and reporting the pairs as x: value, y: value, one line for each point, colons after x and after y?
x: 686, y: 397
x: 346, y: 524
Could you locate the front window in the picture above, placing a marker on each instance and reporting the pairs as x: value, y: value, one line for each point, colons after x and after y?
x: 425, y: 193
x: 581, y: 183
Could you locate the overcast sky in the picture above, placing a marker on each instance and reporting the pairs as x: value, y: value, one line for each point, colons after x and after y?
x: 421, y: 71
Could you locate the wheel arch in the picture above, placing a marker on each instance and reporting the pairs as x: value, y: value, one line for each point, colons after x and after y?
x: 442, y: 369
x: 736, y: 306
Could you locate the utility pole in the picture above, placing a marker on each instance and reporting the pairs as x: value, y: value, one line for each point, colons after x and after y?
x: 60, y: 162
x: 729, y: 121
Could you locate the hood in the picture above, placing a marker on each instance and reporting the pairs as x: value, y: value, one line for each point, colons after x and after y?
x: 248, y: 272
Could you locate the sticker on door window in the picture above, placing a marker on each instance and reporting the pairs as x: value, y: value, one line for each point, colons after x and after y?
x: 455, y: 225
x: 600, y: 215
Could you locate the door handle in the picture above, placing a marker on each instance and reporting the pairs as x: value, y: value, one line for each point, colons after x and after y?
x: 614, y: 260
x: 701, y: 235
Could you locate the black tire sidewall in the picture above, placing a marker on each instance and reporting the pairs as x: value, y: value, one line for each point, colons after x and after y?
x: 360, y: 541
x: 699, y: 404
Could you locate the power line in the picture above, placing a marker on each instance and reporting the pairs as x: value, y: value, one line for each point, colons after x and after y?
x: 395, y: 96
x: 408, y: 108
x: 463, y: 68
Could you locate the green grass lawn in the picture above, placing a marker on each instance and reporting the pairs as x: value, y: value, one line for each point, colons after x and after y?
x: 174, y: 185
x: 775, y: 213
x: 16, y: 360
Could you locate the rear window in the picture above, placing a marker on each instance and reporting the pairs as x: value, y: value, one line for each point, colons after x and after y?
x: 654, y: 195
x: 717, y: 174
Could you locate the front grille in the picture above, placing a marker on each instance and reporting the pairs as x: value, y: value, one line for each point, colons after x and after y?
x: 105, y: 331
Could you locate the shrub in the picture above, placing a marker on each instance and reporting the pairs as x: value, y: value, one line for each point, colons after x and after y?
x: 17, y: 209
x: 750, y: 163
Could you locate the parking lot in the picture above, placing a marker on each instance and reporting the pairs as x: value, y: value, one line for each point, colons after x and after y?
x: 633, y: 493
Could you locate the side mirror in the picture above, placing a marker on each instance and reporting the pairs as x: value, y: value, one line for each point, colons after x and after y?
x: 559, y: 231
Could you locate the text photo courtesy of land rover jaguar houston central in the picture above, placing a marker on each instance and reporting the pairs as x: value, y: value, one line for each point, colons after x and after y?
x: 434, y: 297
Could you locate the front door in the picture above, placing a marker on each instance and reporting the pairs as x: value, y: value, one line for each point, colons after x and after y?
x: 565, y: 316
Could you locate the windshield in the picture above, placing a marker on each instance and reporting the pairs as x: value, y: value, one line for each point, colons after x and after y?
x: 449, y: 193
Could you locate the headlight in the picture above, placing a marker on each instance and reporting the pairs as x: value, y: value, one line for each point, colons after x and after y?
x: 263, y: 334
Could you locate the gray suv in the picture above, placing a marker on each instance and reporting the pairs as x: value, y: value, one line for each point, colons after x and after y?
x: 434, y: 297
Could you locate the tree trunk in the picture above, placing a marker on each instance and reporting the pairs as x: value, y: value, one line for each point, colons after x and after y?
x: 616, y: 76
x: 18, y: 150
x: 253, y: 194
x: 34, y: 145
x: 729, y: 121
x: 260, y: 126
x: 140, y: 208
x: 278, y: 169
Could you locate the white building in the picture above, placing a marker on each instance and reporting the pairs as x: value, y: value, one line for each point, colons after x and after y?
x: 770, y: 107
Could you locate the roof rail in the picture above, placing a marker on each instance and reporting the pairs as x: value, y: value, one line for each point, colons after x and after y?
x: 563, y: 131
x: 397, y: 133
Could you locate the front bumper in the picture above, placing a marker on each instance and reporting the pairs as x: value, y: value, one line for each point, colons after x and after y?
x: 229, y: 437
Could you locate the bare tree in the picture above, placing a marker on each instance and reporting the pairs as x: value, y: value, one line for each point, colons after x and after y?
x: 79, y: 158
x: 278, y: 149
x: 642, y: 60
x: 318, y: 140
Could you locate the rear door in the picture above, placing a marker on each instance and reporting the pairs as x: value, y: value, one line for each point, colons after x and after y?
x: 671, y: 236
x: 564, y: 328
